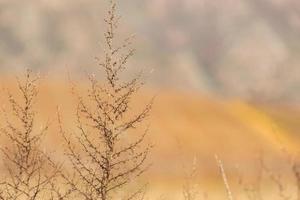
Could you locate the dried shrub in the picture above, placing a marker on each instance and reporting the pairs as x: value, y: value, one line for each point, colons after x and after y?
x: 104, y: 158
x: 29, y: 170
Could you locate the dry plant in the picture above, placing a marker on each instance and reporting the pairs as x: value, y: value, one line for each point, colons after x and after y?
x: 29, y: 170
x: 103, y: 155
x: 190, y: 189
x: 252, y: 190
x: 296, y: 172
x: 224, y: 177
x: 277, y: 179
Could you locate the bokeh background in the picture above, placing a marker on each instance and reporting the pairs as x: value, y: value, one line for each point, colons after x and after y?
x: 226, y: 75
x: 248, y: 48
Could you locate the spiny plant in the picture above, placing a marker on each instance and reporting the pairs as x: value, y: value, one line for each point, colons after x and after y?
x: 29, y: 169
x: 103, y: 155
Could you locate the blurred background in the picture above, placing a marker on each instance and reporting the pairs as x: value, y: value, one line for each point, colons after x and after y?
x: 246, y: 48
x: 227, y: 73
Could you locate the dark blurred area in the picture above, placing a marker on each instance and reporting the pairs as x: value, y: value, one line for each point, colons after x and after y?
x: 231, y: 48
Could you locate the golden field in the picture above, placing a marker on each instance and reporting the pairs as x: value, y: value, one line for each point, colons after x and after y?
x: 226, y: 117
x: 185, y: 127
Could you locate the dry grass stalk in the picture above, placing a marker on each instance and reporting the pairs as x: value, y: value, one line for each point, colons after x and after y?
x: 252, y: 190
x: 278, y: 178
x: 102, y: 160
x: 190, y: 190
x: 25, y: 163
x: 296, y: 172
x: 224, y: 177
x: 295, y: 166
